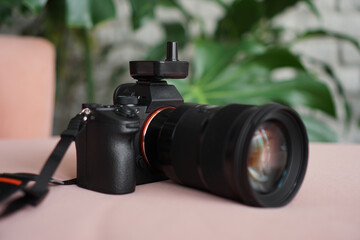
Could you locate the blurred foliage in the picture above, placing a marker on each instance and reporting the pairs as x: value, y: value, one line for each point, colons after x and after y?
x: 61, y: 18
x: 233, y: 64
x: 236, y: 64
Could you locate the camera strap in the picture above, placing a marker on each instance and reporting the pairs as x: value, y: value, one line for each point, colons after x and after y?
x: 13, y: 183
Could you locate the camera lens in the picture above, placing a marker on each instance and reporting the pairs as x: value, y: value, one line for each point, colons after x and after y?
x: 267, y: 157
x: 253, y: 154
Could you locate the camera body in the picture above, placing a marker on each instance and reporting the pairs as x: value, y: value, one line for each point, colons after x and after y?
x: 109, y: 157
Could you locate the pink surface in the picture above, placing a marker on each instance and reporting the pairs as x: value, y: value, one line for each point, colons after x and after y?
x: 27, y: 87
x: 326, y: 207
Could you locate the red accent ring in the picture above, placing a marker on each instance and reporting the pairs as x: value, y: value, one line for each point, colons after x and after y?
x: 143, y: 130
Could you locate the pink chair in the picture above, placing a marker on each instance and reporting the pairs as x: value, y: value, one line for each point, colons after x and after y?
x: 27, y: 87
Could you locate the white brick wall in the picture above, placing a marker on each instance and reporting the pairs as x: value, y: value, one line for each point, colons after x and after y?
x: 348, y: 54
x: 342, y: 16
x: 347, y: 5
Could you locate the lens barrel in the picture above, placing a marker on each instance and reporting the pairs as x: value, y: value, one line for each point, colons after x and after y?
x: 221, y: 149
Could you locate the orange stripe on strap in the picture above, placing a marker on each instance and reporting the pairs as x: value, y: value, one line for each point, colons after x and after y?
x: 11, y: 181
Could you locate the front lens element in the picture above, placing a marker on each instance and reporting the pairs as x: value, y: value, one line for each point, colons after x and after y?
x: 267, y: 157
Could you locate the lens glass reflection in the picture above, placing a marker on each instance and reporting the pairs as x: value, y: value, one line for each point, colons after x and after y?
x: 267, y: 157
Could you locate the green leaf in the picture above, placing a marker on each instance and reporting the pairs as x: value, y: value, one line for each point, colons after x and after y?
x: 313, y: 8
x: 328, y: 33
x: 318, y: 131
x: 102, y: 10
x: 275, y: 7
x: 35, y: 5
x: 299, y: 91
x: 10, y: 3
x: 257, y: 67
x: 175, y: 32
x: 237, y: 75
x: 218, y: 79
x: 78, y: 13
x: 88, y: 13
x: 174, y: 4
x: 276, y: 58
x: 239, y: 18
x: 140, y: 10
x: 243, y: 15
x: 327, y: 69
x: 212, y: 58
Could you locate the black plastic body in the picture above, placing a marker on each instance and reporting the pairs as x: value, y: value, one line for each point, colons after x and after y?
x: 108, y: 156
x: 105, y: 151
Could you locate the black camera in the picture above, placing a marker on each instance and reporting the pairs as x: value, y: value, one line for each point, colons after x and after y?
x: 253, y: 154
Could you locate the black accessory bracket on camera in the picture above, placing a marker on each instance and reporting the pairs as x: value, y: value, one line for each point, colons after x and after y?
x: 13, y: 183
x: 153, y: 91
x: 154, y: 71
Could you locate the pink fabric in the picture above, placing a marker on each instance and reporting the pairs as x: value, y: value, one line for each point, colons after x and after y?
x: 27, y: 79
x: 327, y: 206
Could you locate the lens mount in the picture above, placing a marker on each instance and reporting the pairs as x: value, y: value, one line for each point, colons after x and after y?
x: 143, y: 132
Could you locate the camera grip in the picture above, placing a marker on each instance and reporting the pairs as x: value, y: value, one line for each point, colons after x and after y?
x: 105, y: 152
